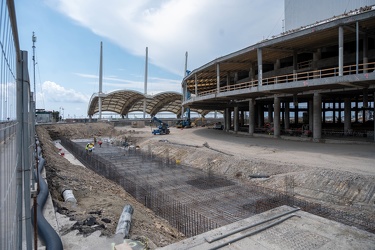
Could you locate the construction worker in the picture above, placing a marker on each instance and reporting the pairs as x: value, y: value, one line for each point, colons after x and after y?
x: 91, y: 147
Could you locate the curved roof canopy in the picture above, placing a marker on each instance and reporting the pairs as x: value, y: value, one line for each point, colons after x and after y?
x: 118, y: 101
x: 126, y: 101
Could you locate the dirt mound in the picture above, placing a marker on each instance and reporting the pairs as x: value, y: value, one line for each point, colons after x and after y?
x: 81, y: 130
x: 100, y: 201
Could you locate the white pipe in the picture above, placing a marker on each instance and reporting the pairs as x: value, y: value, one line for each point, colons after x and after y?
x: 145, y: 85
x: 69, y: 196
x: 100, y: 80
x: 184, y: 85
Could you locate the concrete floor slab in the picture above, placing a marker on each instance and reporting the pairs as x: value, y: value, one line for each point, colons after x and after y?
x: 68, y: 155
x: 302, y: 231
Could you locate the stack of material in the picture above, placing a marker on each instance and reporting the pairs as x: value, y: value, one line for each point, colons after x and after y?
x: 138, y: 124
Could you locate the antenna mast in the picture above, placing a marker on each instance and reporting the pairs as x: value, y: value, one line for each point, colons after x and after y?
x: 34, y: 41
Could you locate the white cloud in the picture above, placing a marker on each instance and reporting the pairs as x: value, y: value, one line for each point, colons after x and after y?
x: 206, y: 29
x: 154, y: 84
x: 110, y: 78
x: 53, y: 92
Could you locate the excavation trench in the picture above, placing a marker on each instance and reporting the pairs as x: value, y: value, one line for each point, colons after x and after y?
x: 192, y: 200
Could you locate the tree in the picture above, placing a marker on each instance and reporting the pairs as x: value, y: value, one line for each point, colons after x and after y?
x: 56, y: 116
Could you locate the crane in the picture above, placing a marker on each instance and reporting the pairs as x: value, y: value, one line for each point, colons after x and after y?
x: 162, y: 127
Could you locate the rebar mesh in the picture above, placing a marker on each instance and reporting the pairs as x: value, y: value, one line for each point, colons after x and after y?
x: 186, y: 197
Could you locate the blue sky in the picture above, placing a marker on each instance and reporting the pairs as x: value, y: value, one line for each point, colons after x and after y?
x: 69, y: 35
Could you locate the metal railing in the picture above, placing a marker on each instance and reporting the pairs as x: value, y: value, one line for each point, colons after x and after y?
x: 301, y: 76
x: 16, y: 132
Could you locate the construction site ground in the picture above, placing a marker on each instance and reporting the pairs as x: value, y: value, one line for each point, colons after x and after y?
x: 341, y: 175
x: 293, y: 230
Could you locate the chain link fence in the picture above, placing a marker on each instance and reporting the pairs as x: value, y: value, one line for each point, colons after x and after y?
x: 17, y: 112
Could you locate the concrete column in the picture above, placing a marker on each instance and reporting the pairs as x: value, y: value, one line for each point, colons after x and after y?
x: 347, y: 115
x: 229, y: 119
x: 282, y: 113
x: 196, y: 84
x: 230, y: 123
x: 341, y: 51
x: 356, y: 109
x: 311, y: 115
x: 317, y: 55
x: 225, y: 119
x: 295, y: 65
x: 251, y: 72
x: 218, y: 78
x: 228, y: 78
x: 242, y: 118
x: 235, y: 77
x: 251, y: 116
x: 235, y: 119
x: 260, y: 66
x: 357, y: 47
x: 295, y: 104
x: 365, y: 50
x: 317, y: 127
x: 276, y: 120
x: 270, y: 116
x: 287, y: 116
x: 365, y: 104
x: 276, y: 65
x: 333, y: 112
x: 256, y: 114
x: 340, y: 109
x: 260, y: 116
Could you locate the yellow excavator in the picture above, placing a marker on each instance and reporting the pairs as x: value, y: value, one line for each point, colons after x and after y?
x: 200, y: 121
x: 183, y: 123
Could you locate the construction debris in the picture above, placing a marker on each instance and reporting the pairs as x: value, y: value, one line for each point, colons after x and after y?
x: 124, y: 223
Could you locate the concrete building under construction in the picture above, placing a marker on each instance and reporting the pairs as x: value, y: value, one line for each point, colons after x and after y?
x: 318, y: 77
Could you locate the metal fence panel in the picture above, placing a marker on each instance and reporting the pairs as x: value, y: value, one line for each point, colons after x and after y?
x: 16, y: 120
x: 8, y: 185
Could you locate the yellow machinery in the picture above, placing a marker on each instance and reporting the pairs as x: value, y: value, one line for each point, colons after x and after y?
x: 200, y: 121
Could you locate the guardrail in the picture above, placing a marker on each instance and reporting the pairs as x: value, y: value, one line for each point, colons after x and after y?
x: 301, y: 76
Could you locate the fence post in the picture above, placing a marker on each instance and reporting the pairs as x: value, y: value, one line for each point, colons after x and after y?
x: 25, y: 151
x: 20, y: 82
